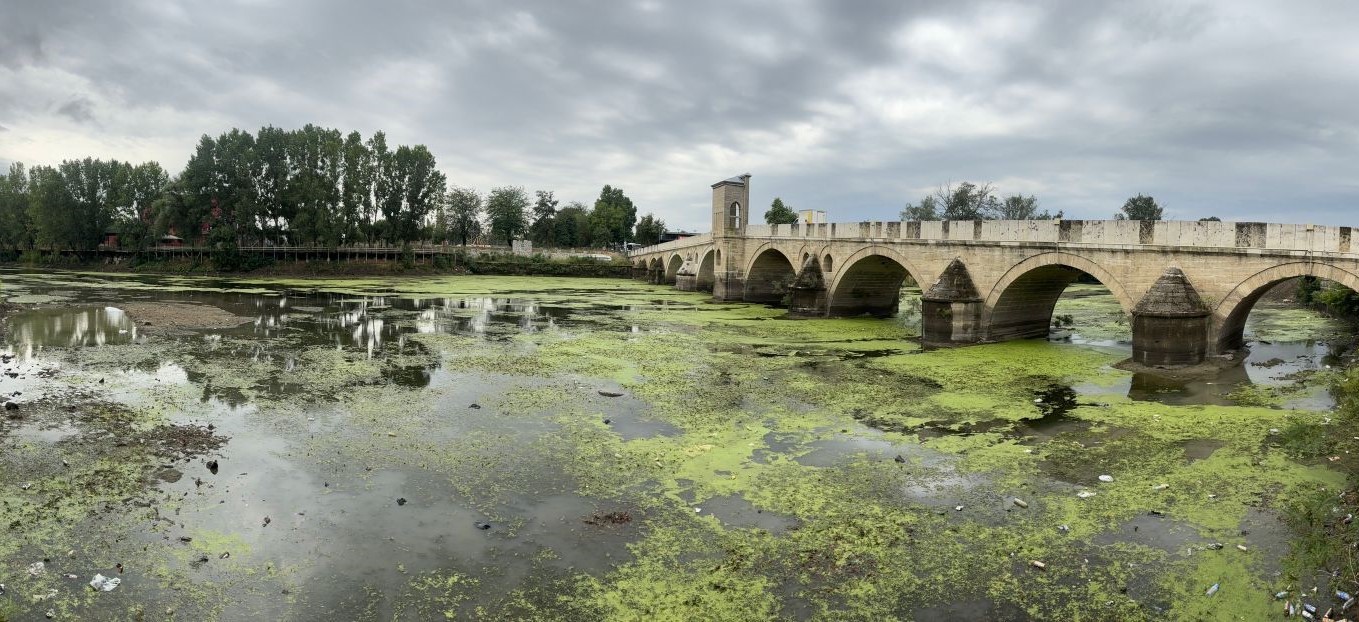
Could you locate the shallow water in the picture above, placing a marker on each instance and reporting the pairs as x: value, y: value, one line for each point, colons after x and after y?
x: 410, y: 448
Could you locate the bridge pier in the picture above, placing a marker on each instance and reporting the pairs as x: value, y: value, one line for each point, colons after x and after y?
x: 808, y: 291
x: 1170, y: 324
x: 686, y: 279
x: 729, y: 286
x: 951, y: 310
x: 639, y: 273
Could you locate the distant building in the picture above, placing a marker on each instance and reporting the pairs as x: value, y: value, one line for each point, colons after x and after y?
x: 811, y: 216
x: 110, y: 238
x: 671, y: 236
x: 173, y: 241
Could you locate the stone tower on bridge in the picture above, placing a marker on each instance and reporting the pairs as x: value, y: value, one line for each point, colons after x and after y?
x: 731, y: 219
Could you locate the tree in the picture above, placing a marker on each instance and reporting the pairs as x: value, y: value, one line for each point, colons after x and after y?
x: 1210, y: 219
x: 137, y: 190
x: 1140, y: 207
x: 613, y: 218
x: 967, y: 201
x: 464, y: 215
x: 15, y: 231
x: 571, y: 226
x: 72, y: 205
x: 779, y: 214
x: 650, y: 229
x: 1020, y: 207
x: 505, y: 210
x: 926, y: 209
x: 422, y: 188
x: 544, y: 211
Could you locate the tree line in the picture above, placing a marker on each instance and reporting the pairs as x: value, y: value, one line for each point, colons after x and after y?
x: 313, y: 186
x: 969, y: 201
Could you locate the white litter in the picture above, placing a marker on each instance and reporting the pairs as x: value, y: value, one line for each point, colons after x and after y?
x: 104, y: 584
x: 36, y: 568
x: 1085, y: 494
x: 1106, y: 478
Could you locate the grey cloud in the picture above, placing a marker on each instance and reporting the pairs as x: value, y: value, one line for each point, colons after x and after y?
x: 1229, y: 108
x: 80, y: 110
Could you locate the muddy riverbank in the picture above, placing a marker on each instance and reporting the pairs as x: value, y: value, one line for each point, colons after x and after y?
x: 509, y: 448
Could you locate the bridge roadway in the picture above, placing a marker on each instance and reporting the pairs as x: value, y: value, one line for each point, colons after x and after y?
x: 1187, y: 286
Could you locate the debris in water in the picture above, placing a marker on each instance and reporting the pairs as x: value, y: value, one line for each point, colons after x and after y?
x: 1212, y: 590
x: 100, y: 583
x: 1021, y: 503
x: 401, y: 501
x: 212, y: 467
x: 1106, y: 478
x: 610, y: 394
x: 899, y: 459
x: 1281, y: 595
x: 957, y: 508
x: 611, y: 518
x: 1039, y: 565
x: 266, y: 522
x: 36, y: 569
x: 224, y: 555
x: 483, y: 526
x: 607, y: 421
x: 1216, y: 546
x: 475, y: 406
x: 1085, y: 494
x: 1064, y: 528
x: 1242, y: 548
x: 1160, y: 487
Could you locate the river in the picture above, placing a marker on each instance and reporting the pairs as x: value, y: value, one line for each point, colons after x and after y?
x: 583, y: 449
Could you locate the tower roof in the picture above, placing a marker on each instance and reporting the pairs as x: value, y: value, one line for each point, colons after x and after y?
x: 739, y: 180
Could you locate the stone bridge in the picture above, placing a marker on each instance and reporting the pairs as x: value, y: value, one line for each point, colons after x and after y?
x: 1187, y: 286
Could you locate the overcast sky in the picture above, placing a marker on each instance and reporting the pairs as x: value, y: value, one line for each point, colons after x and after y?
x: 1243, y: 109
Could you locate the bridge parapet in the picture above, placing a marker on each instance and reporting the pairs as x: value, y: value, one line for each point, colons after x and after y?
x: 673, y: 245
x: 1200, y: 234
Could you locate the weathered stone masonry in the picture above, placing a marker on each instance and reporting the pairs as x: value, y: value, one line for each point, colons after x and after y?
x: 1187, y: 286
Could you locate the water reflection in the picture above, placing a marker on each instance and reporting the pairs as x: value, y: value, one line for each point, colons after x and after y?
x: 73, y: 328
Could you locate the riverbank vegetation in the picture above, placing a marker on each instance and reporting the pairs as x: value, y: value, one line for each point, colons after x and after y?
x: 315, y: 187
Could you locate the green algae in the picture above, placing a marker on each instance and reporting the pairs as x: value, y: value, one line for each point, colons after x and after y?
x: 747, y: 394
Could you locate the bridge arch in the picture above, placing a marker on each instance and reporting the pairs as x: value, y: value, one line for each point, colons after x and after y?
x: 707, y: 270
x: 768, y: 275
x: 869, y: 282
x: 672, y: 267
x: 1229, y: 319
x: 1021, y: 303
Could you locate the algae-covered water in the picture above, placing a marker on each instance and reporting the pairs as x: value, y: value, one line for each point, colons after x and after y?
x: 535, y: 448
